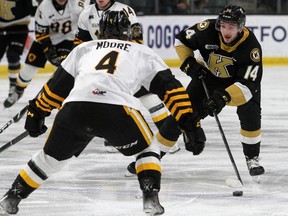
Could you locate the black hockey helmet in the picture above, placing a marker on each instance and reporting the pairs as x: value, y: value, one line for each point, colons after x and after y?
x: 114, y: 24
x: 232, y: 14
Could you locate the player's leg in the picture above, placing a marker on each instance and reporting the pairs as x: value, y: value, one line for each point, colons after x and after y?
x: 250, y: 121
x: 3, y: 45
x: 14, y: 51
x: 135, y: 137
x: 63, y: 142
x: 35, y: 59
x: 159, y: 114
x: 166, y: 137
x: 154, y: 105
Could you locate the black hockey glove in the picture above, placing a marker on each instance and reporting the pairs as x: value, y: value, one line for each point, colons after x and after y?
x: 216, y: 102
x: 194, y: 136
x: 35, y: 120
x: 191, y: 67
x: 51, y: 55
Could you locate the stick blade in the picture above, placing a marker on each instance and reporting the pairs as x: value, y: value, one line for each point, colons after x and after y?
x: 233, y: 183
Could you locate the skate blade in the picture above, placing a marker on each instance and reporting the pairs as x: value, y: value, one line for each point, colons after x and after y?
x: 152, y: 212
x: 128, y: 174
x: 233, y: 183
x: 174, y: 150
x: 256, y: 179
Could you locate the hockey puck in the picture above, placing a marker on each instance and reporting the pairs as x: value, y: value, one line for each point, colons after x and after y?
x: 237, y: 193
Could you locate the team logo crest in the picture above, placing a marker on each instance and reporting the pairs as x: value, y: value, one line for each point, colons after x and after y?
x: 203, y: 25
x: 31, y: 57
x: 255, y: 55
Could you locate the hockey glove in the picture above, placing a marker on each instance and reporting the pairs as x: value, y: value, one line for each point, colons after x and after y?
x: 35, y: 120
x: 194, y: 136
x: 191, y: 67
x: 51, y: 55
x: 216, y: 102
x: 194, y: 140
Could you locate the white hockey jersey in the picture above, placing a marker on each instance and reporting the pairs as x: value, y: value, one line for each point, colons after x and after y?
x: 130, y: 66
x: 62, y: 24
x: 90, y: 17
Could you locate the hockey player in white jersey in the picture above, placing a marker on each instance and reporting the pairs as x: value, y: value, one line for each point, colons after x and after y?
x: 88, y: 29
x: 94, y: 87
x: 88, y: 23
x: 55, y: 28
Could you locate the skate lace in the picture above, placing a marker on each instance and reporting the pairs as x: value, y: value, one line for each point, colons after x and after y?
x: 14, y: 97
x: 253, y: 163
x: 12, y: 89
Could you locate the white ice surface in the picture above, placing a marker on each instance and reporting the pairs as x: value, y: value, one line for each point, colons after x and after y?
x: 94, y: 184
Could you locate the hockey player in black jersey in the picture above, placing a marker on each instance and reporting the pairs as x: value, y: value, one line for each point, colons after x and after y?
x: 232, y: 69
x: 55, y: 27
x: 14, y: 20
x: 94, y: 87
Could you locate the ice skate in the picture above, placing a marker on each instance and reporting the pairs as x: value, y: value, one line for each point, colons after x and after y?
x: 9, y: 203
x: 174, y: 149
x: 255, y: 169
x: 12, y: 89
x: 151, y: 205
x: 13, y: 98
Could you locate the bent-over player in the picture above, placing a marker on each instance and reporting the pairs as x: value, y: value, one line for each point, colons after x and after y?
x: 88, y: 29
x: 232, y: 70
x: 96, y: 84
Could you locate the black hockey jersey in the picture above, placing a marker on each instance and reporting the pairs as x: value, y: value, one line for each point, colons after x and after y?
x: 236, y: 67
x: 16, y: 12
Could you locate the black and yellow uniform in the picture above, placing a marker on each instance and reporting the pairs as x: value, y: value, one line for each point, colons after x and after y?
x: 234, y: 68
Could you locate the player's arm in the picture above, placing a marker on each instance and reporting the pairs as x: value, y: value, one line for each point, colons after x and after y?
x: 172, y: 93
x: 52, y: 96
x: 55, y: 91
x: 185, y: 44
x: 247, y: 81
x: 185, y: 41
x: 177, y: 100
x: 42, y: 35
x: 58, y: 87
x: 81, y: 36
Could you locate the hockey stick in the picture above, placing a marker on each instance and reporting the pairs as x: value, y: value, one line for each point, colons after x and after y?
x: 16, y: 118
x: 229, y: 182
x: 3, y: 33
x: 14, y: 141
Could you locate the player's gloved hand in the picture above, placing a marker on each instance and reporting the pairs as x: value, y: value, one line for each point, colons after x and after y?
x: 191, y: 67
x: 137, y: 36
x: 35, y: 120
x: 51, y: 55
x: 216, y: 102
x: 194, y: 136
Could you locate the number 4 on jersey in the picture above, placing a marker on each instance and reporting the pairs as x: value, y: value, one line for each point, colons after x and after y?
x: 108, y: 62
